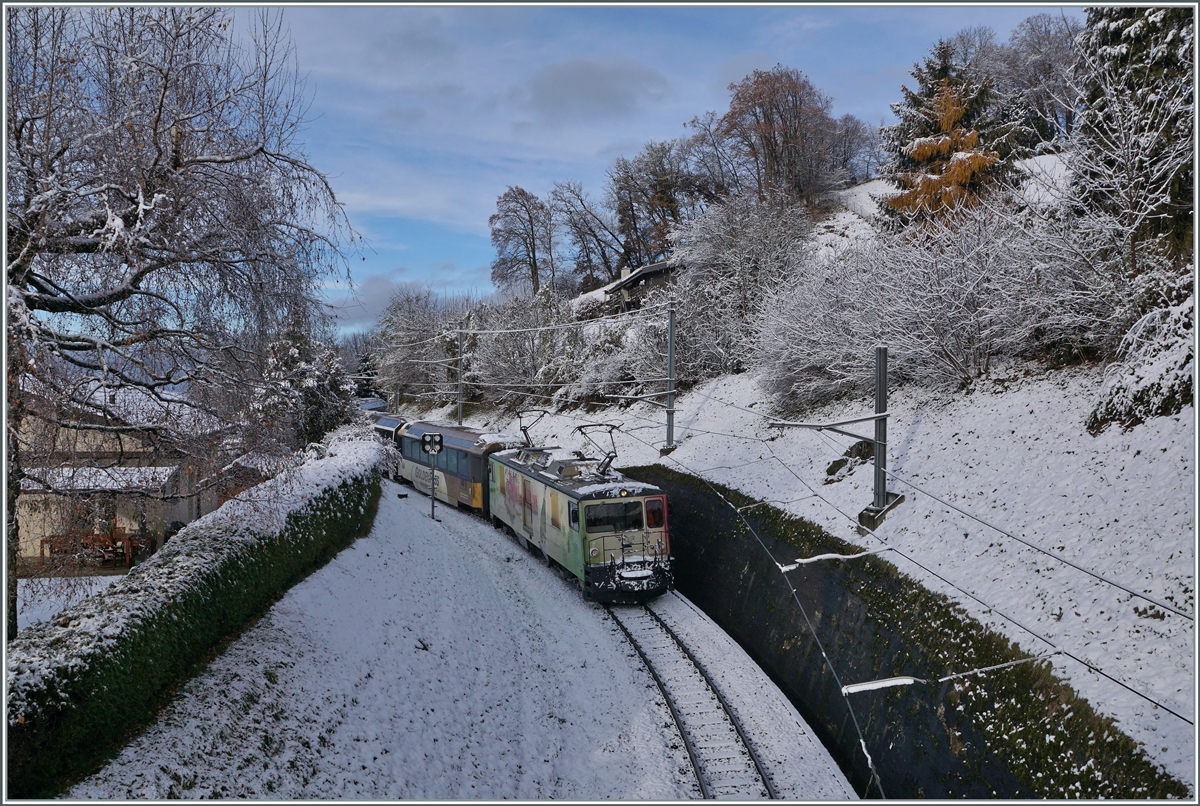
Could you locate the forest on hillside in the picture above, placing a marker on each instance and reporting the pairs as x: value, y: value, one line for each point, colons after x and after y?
x: 1035, y: 204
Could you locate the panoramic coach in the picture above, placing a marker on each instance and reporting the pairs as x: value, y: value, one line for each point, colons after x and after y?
x: 457, y: 474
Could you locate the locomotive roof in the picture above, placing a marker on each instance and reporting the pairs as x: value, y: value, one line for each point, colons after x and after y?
x: 459, y: 436
x: 588, y: 483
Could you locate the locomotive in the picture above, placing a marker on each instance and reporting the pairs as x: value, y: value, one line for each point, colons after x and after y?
x: 607, y: 531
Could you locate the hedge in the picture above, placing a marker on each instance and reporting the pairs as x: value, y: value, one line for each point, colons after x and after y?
x: 79, y: 684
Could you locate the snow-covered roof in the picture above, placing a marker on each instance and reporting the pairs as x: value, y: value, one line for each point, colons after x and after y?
x: 589, y: 483
x: 371, y: 403
x: 98, y: 479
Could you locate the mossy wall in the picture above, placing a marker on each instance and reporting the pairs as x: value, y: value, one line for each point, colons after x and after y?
x: 1014, y: 733
x: 86, y: 709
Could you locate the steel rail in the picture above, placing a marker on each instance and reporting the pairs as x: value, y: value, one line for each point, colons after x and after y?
x: 705, y: 791
x: 733, y: 718
x: 712, y: 787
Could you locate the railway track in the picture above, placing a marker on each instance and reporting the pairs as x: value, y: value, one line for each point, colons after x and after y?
x: 725, y: 762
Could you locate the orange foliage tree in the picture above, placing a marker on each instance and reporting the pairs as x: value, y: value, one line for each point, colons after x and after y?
x: 950, y: 141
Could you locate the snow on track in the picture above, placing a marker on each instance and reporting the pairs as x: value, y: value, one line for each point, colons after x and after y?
x: 800, y: 767
x: 427, y: 661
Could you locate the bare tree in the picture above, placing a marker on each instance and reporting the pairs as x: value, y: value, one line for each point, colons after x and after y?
x: 649, y: 195
x: 782, y: 125
x: 1038, y: 64
x: 162, y: 221
x: 523, y: 234
x: 592, y: 231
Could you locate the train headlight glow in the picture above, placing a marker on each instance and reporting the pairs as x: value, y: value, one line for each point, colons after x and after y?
x: 624, y: 493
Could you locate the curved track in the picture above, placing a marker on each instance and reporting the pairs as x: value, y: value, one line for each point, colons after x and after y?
x: 725, y: 762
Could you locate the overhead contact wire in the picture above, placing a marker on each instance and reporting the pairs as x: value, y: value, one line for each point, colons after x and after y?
x: 803, y: 611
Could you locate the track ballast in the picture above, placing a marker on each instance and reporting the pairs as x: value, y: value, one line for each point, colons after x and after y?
x: 726, y: 765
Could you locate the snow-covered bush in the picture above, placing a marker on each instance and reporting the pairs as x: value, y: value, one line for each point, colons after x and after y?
x: 729, y: 257
x: 78, y: 682
x: 1154, y: 374
x: 1020, y: 275
x: 947, y: 299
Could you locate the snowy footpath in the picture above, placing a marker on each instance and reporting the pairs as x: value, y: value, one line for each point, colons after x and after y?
x: 440, y: 661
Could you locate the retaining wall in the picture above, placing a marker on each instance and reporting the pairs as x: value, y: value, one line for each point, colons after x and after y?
x: 1012, y: 733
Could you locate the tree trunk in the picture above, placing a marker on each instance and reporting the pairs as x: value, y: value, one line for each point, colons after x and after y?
x: 16, y: 413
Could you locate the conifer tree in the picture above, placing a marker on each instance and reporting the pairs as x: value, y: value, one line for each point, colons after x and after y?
x: 1136, y: 69
x: 953, y: 138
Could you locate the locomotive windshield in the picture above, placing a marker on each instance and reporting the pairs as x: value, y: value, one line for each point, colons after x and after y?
x: 618, y: 516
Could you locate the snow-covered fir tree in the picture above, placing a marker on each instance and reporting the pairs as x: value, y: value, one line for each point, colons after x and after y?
x: 1135, y: 128
x: 306, y: 386
x: 953, y: 138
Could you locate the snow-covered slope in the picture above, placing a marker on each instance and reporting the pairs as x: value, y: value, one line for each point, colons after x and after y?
x: 1014, y: 453
x: 440, y: 661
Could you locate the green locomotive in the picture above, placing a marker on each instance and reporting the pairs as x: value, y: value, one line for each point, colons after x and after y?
x: 608, y: 531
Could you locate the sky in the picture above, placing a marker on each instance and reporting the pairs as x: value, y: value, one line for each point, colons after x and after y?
x: 421, y: 116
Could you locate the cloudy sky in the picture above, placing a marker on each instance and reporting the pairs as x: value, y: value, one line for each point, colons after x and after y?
x: 423, y: 116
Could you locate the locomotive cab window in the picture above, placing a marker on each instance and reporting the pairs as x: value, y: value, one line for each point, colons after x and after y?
x: 618, y: 516
x: 573, y: 515
x: 655, y: 513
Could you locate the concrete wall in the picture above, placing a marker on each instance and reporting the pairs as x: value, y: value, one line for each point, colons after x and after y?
x: 920, y: 748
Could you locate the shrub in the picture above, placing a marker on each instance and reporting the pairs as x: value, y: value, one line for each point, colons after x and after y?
x: 78, y: 684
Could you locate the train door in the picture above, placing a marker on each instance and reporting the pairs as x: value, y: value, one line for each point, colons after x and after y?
x: 527, y: 504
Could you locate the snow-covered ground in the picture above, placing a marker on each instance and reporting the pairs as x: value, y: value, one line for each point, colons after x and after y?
x: 42, y: 599
x: 1014, y: 453
x: 440, y: 661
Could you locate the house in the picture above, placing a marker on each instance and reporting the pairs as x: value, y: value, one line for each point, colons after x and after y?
x: 628, y: 292
x: 107, y: 509
x: 99, y: 491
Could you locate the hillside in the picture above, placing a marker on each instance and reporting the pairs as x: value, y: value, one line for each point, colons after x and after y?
x: 1016, y: 454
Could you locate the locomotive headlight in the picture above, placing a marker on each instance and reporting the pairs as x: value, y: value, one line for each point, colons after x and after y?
x: 624, y: 493
x: 595, y: 552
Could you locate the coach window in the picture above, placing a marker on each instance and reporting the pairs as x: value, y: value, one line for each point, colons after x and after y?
x: 452, y: 461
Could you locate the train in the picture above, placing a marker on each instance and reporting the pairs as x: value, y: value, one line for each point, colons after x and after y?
x: 607, y: 531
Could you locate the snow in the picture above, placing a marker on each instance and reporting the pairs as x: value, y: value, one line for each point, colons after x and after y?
x: 438, y: 660
x: 90, y: 628
x: 1047, y: 179
x: 1017, y: 454
x: 863, y: 200
x: 40, y: 600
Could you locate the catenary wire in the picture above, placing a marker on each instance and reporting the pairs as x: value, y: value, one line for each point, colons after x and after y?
x: 991, y: 607
x: 1088, y: 664
x: 1035, y: 547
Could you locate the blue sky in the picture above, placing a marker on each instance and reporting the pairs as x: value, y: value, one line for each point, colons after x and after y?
x: 422, y: 116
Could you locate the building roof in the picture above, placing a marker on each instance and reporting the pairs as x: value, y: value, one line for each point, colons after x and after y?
x: 641, y: 274
x: 98, y: 479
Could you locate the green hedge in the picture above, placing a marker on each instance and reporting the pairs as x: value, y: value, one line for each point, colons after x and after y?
x: 78, y: 686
